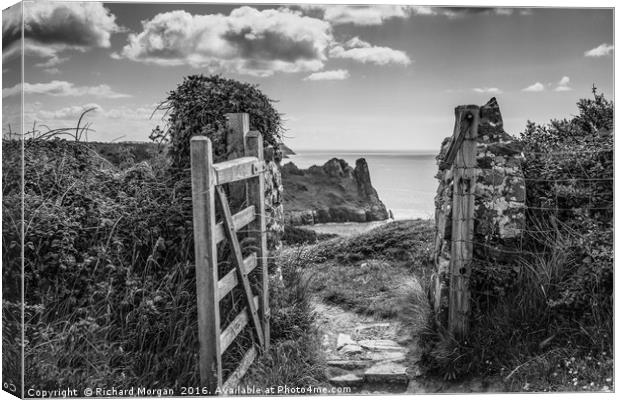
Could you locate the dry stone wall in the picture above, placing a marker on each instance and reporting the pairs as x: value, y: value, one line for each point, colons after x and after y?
x: 499, y: 211
x: 273, y: 198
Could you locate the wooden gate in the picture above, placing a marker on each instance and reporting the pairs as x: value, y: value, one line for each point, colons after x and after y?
x: 207, y: 181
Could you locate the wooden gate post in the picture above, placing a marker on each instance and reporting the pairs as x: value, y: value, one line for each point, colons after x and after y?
x: 464, y: 182
x: 205, y: 248
x: 238, y: 128
x: 256, y: 197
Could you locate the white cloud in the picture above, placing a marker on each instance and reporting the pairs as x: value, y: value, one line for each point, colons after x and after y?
x: 563, y: 85
x: 246, y: 41
x: 357, y: 42
x: 536, y: 87
x: 422, y: 10
x: 366, y: 15
x: 359, y: 15
x: 600, y: 51
x: 492, y: 90
x: 359, y: 50
x: 63, y: 88
x: 71, y: 113
x: 132, y: 122
x: 338, y: 74
x: 67, y: 113
x: 504, y: 11
x: 51, y: 28
x: 462, y: 12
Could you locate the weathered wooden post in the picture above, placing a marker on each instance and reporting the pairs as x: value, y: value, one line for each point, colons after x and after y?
x: 238, y: 128
x: 241, y: 142
x: 256, y: 198
x: 205, y: 248
x: 464, y: 180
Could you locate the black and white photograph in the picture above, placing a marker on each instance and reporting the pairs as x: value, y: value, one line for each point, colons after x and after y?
x: 305, y: 199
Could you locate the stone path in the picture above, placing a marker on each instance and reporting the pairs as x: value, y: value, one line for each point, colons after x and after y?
x: 368, y: 355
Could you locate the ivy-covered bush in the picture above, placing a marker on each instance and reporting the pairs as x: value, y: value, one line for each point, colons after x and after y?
x: 198, y: 107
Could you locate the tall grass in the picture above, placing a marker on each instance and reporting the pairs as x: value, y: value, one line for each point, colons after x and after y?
x: 296, y: 357
x: 110, y: 290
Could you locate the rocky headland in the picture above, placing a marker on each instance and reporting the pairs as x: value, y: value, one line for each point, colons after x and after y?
x: 334, y: 192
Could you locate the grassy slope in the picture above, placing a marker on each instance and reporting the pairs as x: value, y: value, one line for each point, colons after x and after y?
x: 371, y: 273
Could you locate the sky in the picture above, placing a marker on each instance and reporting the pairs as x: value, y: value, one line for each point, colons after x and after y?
x: 345, y: 77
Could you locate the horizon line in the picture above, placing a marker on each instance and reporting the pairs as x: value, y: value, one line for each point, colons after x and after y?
x: 368, y: 150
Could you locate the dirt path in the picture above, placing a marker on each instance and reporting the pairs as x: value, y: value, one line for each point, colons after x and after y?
x: 368, y: 355
x: 373, y: 356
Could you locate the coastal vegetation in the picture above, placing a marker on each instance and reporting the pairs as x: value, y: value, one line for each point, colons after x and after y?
x: 109, y: 278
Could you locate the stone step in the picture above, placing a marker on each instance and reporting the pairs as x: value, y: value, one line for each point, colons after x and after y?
x: 378, y: 325
x: 384, y: 356
x: 351, y: 349
x: 381, y: 345
x: 387, y: 372
x: 416, y: 386
x: 350, y: 364
x: 344, y: 339
x: 346, y: 380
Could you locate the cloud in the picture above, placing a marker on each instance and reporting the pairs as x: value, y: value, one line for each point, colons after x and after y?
x: 359, y: 15
x: 366, y: 15
x: 536, y: 87
x: 488, y: 90
x: 67, y: 113
x: 338, y: 74
x: 132, y: 122
x: 462, y: 12
x: 139, y: 113
x: 359, y: 50
x: 600, y: 51
x: 563, y: 85
x: 63, y: 88
x: 246, y: 41
x: 51, y: 28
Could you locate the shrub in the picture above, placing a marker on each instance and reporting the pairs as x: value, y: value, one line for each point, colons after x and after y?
x: 294, y: 235
x: 407, y: 242
x: 198, y: 107
x: 569, y: 175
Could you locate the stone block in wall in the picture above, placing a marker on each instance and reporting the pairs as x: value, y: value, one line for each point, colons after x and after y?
x: 273, y: 203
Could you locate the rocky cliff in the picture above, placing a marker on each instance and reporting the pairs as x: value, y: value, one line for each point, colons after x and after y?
x: 334, y: 192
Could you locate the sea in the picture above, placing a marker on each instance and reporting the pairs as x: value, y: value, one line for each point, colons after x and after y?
x: 404, y: 180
